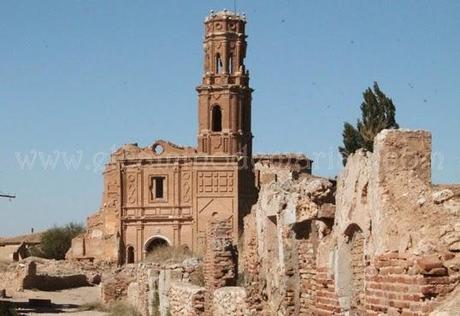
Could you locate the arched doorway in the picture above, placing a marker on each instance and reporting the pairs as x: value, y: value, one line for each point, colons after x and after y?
x: 130, y: 255
x: 356, y: 266
x: 216, y: 118
x: 155, y: 242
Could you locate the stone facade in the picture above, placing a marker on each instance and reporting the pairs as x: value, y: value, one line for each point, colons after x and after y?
x: 165, y: 194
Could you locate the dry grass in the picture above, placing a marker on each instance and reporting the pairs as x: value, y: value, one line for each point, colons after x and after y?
x: 94, y: 306
x: 169, y: 254
x: 115, y: 309
x: 123, y: 309
x: 197, y: 277
x: 4, y: 265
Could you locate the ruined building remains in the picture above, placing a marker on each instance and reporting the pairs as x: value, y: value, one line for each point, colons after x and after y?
x: 381, y: 239
x: 165, y: 194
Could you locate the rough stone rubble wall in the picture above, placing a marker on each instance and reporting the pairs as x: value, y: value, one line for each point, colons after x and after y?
x: 46, y: 275
x: 167, y: 289
x: 251, y: 266
x: 219, y: 296
x: 389, y: 247
x: 186, y: 299
x: 280, y: 243
x: 147, y: 286
x: 229, y: 301
x: 156, y: 289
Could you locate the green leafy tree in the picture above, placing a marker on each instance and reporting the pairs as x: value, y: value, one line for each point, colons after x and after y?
x: 56, y: 241
x: 377, y: 113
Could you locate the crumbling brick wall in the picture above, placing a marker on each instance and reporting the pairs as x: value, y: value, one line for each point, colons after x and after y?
x: 326, y: 301
x: 251, y: 266
x: 401, y: 284
x: 219, y: 296
x: 398, y: 218
x: 390, y: 246
x: 220, y: 260
x: 282, y: 235
x: 307, y: 275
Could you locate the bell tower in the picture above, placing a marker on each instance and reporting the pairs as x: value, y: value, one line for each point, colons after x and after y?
x: 224, y: 96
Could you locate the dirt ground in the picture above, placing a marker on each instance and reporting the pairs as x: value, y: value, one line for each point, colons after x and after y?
x: 65, y: 302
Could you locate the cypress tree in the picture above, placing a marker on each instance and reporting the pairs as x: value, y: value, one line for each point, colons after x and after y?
x: 377, y: 113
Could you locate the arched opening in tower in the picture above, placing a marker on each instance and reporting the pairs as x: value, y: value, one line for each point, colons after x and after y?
x: 216, y: 119
x: 218, y: 64
x: 155, y: 243
x: 130, y: 254
x: 230, y: 65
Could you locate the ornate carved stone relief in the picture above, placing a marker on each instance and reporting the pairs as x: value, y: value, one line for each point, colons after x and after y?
x: 132, y: 185
x: 212, y: 182
x: 186, y: 189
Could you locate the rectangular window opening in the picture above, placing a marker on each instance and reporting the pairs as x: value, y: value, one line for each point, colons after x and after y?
x: 159, y: 187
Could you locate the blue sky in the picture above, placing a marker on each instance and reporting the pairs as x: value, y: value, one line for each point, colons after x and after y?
x: 80, y: 78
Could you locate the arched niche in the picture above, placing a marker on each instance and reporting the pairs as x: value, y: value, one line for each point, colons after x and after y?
x: 156, y: 242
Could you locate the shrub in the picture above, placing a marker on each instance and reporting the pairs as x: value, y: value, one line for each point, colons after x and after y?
x: 56, y: 241
x: 241, y: 279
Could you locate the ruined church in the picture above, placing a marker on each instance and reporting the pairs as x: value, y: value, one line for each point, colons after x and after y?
x: 380, y: 239
x: 165, y: 194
